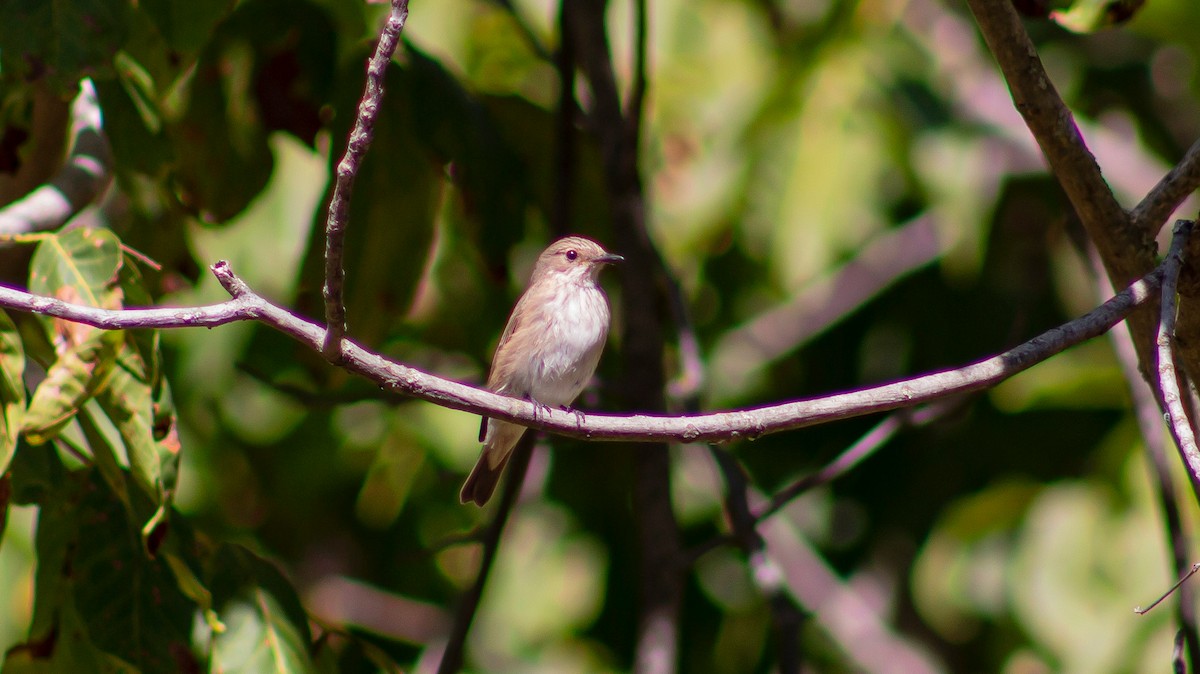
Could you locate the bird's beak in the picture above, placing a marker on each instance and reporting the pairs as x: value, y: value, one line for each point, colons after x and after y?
x: 609, y: 258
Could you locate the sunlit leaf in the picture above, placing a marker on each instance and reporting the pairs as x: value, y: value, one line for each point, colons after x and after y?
x: 76, y: 376
x: 79, y: 265
x: 1086, y: 16
x: 266, y: 629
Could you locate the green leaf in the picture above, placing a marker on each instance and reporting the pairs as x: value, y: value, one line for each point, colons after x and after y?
x: 256, y: 75
x: 61, y: 40
x: 133, y: 609
x: 127, y: 401
x: 458, y: 128
x: 133, y: 121
x: 105, y: 455
x: 79, y: 265
x: 73, y: 379
x: 1088, y: 16
x: 12, y: 389
x: 266, y: 627
x: 186, y: 25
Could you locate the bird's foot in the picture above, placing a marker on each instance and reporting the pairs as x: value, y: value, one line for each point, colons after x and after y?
x: 539, y: 409
x: 580, y: 417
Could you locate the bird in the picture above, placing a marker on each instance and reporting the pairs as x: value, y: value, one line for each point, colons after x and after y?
x: 549, y: 349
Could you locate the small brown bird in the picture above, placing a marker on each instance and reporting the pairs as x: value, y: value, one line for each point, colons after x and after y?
x: 549, y: 349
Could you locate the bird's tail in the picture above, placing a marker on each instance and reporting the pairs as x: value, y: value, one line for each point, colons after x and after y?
x: 501, y: 438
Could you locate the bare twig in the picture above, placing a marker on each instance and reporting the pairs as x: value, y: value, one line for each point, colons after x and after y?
x: 849, y: 615
x: 1143, y: 611
x: 764, y: 573
x: 343, y: 186
x: 1168, y: 374
x: 1169, y: 193
x: 867, y: 445
x: 83, y: 177
x: 777, y: 331
x: 468, y: 604
x: 705, y: 427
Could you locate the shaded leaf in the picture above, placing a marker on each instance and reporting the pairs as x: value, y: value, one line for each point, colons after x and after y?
x: 488, y: 172
x: 255, y: 76
x: 133, y: 121
x: 186, y: 25
x: 60, y: 40
x: 12, y: 389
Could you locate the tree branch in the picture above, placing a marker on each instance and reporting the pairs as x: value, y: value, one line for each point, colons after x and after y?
x: 1168, y: 374
x: 867, y: 445
x: 1147, y: 410
x: 764, y: 572
x: 343, y: 186
x: 1179, y: 183
x: 706, y: 427
x: 468, y: 603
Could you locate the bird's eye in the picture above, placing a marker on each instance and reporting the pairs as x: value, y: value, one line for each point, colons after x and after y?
x: 571, y: 255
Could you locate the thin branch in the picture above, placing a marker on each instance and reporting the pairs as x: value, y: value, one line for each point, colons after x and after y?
x: 1143, y: 611
x: 83, y: 177
x: 867, y: 445
x: 1179, y: 183
x: 468, y: 604
x: 764, y: 572
x: 1168, y: 374
x: 849, y: 613
x: 705, y: 427
x: 343, y: 186
x: 885, y: 259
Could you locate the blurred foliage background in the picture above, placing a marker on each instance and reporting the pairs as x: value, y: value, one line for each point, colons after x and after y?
x: 845, y: 195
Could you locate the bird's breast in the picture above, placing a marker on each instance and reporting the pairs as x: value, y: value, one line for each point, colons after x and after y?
x: 577, y: 320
